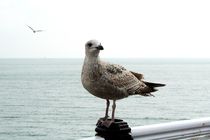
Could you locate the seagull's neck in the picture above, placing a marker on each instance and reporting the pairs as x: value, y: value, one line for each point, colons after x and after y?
x: 92, y: 60
x: 91, y: 68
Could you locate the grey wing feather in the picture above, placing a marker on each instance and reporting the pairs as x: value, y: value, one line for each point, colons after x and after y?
x: 39, y: 30
x: 31, y: 28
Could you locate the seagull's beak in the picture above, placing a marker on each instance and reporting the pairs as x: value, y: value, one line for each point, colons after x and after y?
x: 100, y: 47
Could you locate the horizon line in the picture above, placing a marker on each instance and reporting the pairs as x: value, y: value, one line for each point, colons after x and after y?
x: 106, y: 57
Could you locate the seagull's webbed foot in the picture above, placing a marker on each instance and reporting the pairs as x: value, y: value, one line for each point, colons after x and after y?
x: 104, y: 118
x: 107, y: 123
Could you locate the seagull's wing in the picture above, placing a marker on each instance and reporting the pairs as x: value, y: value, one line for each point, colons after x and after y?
x: 31, y: 28
x: 119, y: 77
x: 39, y: 30
x: 138, y: 75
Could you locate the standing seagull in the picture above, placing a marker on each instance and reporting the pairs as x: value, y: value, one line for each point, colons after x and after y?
x: 111, y: 81
x: 34, y: 31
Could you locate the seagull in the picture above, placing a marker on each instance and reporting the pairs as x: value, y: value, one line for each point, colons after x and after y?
x: 34, y: 31
x: 111, y: 81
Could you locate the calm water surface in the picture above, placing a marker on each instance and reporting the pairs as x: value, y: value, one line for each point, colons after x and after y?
x: 43, y: 99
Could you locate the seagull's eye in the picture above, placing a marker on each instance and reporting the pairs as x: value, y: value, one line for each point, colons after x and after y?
x: 89, y: 44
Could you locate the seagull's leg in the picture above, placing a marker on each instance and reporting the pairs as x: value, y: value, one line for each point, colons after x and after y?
x: 113, y: 110
x: 107, y: 122
x: 107, y: 109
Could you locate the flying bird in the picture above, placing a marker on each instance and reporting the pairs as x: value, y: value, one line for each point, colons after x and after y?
x: 111, y: 81
x: 34, y: 31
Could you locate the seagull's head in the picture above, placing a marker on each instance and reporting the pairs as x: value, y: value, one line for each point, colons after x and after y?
x: 92, y: 48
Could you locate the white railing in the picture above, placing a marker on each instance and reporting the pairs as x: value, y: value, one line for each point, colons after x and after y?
x: 168, y: 131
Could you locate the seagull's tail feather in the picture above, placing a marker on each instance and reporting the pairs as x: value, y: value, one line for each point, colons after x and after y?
x: 153, y: 84
x: 151, y: 87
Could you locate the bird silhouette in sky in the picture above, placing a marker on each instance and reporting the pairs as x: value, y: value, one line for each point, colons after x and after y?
x: 34, y: 31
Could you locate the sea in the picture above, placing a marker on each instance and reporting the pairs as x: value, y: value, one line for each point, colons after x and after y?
x: 43, y: 99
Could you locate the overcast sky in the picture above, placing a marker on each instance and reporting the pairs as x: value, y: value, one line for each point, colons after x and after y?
x: 126, y: 28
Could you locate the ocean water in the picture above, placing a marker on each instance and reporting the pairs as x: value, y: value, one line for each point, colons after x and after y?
x: 43, y: 99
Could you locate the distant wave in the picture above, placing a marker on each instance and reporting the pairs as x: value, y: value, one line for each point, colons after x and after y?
x: 162, y: 118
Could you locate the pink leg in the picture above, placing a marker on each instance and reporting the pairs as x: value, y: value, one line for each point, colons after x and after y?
x: 107, y: 109
x: 113, y: 109
x: 107, y: 122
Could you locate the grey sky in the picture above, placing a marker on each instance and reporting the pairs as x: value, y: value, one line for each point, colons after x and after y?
x: 126, y: 28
